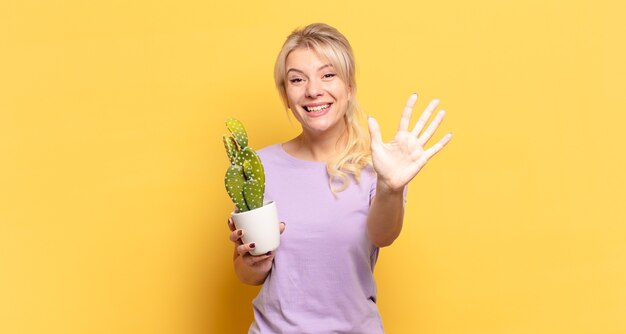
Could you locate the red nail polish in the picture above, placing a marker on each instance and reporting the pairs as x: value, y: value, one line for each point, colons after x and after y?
x: 252, y: 245
x: 268, y: 253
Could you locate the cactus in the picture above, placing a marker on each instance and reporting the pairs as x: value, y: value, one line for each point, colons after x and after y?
x: 245, y: 178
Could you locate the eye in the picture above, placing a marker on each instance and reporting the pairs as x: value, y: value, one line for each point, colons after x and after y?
x: 295, y: 80
x: 329, y: 75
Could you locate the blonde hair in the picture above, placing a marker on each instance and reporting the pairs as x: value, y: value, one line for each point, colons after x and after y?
x: 329, y: 43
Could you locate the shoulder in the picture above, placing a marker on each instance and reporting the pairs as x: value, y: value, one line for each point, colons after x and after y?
x: 368, y: 179
x: 271, y: 155
x: 368, y: 174
x: 269, y: 151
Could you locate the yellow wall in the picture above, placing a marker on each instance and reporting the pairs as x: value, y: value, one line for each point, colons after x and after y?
x: 112, y: 208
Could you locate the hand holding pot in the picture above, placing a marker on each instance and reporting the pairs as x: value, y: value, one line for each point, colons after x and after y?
x: 259, y: 263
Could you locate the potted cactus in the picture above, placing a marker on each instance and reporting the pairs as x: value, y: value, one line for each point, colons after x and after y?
x: 245, y: 184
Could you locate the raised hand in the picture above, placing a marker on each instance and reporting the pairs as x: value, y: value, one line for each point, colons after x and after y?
x: 398, y: 161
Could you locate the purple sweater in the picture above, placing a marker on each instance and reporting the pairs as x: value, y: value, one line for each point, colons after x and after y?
x: 322, y: 277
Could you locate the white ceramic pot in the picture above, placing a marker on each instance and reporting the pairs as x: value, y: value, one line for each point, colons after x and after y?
x: 260, y: 226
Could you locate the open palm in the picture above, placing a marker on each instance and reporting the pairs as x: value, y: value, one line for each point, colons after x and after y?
x: 398, y: 161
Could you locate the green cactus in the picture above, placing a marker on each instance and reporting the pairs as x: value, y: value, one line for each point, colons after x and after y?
x: 231, y: 149
x: 245, y: 178
x: 235, y: 182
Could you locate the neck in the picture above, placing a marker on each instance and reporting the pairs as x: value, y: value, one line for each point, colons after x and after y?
x: 318, y: 146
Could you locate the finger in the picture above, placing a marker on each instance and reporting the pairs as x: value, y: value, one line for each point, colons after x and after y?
x: 231, y: 224
x: 261, y: 258
x: 282, y: 227
x: 245, y: 248
x: 428, y: 133
x: 405, y: 120
x: 437, y: 147
x: 421, y: 122
x: 236, y: 235
x: 252, y: 260
x: 377, y: 139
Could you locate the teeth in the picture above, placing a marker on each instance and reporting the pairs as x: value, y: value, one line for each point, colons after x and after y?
x: 317, y: 108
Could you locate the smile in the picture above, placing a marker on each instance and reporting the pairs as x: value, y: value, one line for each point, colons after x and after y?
x: 319, y: 108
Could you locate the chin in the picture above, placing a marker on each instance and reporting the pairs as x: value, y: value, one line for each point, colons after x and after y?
x: 321, y: 128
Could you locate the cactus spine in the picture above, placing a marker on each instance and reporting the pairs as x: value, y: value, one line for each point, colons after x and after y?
x: 245, y: 178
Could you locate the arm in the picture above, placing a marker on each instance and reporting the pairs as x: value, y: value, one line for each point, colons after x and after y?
x: 396, y: 163
x: 384, y: 221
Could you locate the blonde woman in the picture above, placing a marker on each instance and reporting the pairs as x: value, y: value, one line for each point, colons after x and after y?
x: 341, y: 193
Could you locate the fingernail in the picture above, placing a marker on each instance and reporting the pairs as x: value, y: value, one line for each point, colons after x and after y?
x: 240, y: 233
x: 252, y: 245
x: 268, y: 253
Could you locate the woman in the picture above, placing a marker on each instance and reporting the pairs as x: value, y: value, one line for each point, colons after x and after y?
x: 341, y: 193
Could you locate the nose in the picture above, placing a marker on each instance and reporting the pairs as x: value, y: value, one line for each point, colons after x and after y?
x: 314, y: 89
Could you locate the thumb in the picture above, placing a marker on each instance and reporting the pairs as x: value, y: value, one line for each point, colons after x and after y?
x: 374, y: 131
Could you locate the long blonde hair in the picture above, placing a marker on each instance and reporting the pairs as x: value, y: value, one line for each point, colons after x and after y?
x: 329, y: 43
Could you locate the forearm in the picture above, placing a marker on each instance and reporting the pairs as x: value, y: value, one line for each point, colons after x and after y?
x: 384, y: 221
x: 245, y: 273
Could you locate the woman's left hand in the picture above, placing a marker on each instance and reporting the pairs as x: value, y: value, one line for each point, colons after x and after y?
x: 398, y: 161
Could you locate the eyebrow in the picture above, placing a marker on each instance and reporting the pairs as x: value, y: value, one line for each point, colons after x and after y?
x: 319, y: 69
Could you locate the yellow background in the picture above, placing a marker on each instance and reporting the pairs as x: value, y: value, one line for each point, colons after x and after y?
x: 112, y: 208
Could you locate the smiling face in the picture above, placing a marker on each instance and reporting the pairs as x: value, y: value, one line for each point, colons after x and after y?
x: 316, y: 95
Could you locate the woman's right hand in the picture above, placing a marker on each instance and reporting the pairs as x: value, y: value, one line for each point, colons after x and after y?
x: 260, y: 263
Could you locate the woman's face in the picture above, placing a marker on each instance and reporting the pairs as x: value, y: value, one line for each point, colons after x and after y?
x: 317, y: 96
